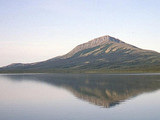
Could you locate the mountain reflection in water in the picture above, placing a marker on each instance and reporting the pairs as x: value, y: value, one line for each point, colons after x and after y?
x: 99, y: 89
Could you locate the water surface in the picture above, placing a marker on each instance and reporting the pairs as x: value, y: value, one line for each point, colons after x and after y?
x: 80, y: 97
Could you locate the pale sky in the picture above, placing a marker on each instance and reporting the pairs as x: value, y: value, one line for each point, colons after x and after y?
x: 36, y: 30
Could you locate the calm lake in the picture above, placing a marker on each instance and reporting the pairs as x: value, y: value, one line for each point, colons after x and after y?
x: 80, y: 97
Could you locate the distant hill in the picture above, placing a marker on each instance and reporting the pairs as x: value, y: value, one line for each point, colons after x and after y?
x: 100, y: 55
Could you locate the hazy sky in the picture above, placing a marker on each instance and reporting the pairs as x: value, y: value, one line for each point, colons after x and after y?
x: 36, y: 30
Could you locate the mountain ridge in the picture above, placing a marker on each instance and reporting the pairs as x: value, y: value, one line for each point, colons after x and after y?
x: 93, y: 43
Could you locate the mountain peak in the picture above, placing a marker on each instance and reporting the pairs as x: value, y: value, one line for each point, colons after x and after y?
x: 106, y: 38
x: 93, y: 43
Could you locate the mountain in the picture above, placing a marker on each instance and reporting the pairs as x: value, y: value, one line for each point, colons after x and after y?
x: 103, y: 54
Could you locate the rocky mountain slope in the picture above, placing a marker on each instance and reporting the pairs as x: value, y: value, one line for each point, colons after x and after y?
x: 103, y: 54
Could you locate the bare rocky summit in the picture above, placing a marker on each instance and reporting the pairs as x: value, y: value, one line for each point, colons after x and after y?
x: 93, y: 43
